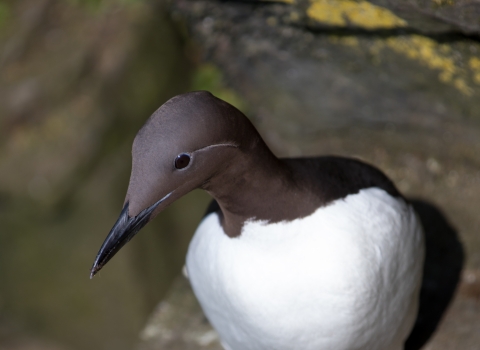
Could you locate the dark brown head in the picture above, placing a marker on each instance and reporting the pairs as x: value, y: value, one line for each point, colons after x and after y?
x: 188, y: 140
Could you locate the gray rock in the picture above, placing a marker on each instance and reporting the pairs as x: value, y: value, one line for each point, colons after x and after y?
x: 394, y: 83
x: 178, y: 323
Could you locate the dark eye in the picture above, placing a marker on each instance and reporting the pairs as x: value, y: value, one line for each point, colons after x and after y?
x: 182, y: 161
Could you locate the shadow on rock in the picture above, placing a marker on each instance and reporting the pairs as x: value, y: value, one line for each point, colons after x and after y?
x: 443, y: 265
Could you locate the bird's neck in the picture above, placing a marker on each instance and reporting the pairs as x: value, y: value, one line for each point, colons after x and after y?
x: 256, y: 186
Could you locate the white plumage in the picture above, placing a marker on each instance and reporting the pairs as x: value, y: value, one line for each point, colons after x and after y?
x: 346, y: 277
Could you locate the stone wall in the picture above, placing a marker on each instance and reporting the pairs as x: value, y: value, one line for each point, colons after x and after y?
x: 394, y: 83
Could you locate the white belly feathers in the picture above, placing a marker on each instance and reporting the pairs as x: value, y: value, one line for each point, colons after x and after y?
x: 346, y: 277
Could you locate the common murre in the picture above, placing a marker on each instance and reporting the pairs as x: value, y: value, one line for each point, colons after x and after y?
x: 307, y: 253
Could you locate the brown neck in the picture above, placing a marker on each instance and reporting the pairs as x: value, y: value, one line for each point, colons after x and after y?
x: 256, y: 185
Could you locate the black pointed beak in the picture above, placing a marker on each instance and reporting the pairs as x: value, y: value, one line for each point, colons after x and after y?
x: 121, y: 233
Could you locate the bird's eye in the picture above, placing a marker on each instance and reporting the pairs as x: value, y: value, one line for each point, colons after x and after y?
x: 182, y: 161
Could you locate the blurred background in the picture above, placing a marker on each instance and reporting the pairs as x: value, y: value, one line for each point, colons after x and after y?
x: 78, y: 78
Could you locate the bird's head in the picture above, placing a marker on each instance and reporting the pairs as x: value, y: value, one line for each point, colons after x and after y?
x: 187, y: 141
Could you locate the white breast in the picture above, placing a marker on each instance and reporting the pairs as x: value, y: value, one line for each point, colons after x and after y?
x: 346, y: 277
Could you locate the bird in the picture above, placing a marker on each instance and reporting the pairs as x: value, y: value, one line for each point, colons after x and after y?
x: 311, y: 253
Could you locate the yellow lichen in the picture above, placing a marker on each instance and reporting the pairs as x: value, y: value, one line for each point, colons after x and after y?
x: 476, y: 78
x: 358, y: 13
x: 443, y: 2
x: 294, y: 16
x: 427, y: 52
x: 445, y: 76
x: 474, y: 64
x: 461, y: 85
x: 344, y: 40
x: 285, y: 1
x: 434, y: 56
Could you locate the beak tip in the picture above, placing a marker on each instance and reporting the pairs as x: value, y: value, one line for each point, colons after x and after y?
x: 94, y: 270
x: 122, y: 232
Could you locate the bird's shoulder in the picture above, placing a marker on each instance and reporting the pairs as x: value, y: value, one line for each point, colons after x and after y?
x: 335, y: 177
x: 330, y: 178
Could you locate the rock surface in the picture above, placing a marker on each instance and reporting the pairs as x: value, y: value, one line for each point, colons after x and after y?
x: 394, y: 83
x: 179, y: 324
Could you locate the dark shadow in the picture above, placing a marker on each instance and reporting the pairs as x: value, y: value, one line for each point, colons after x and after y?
x: 212, y: 207
x: 443, y: 264
x: 449, y: 36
